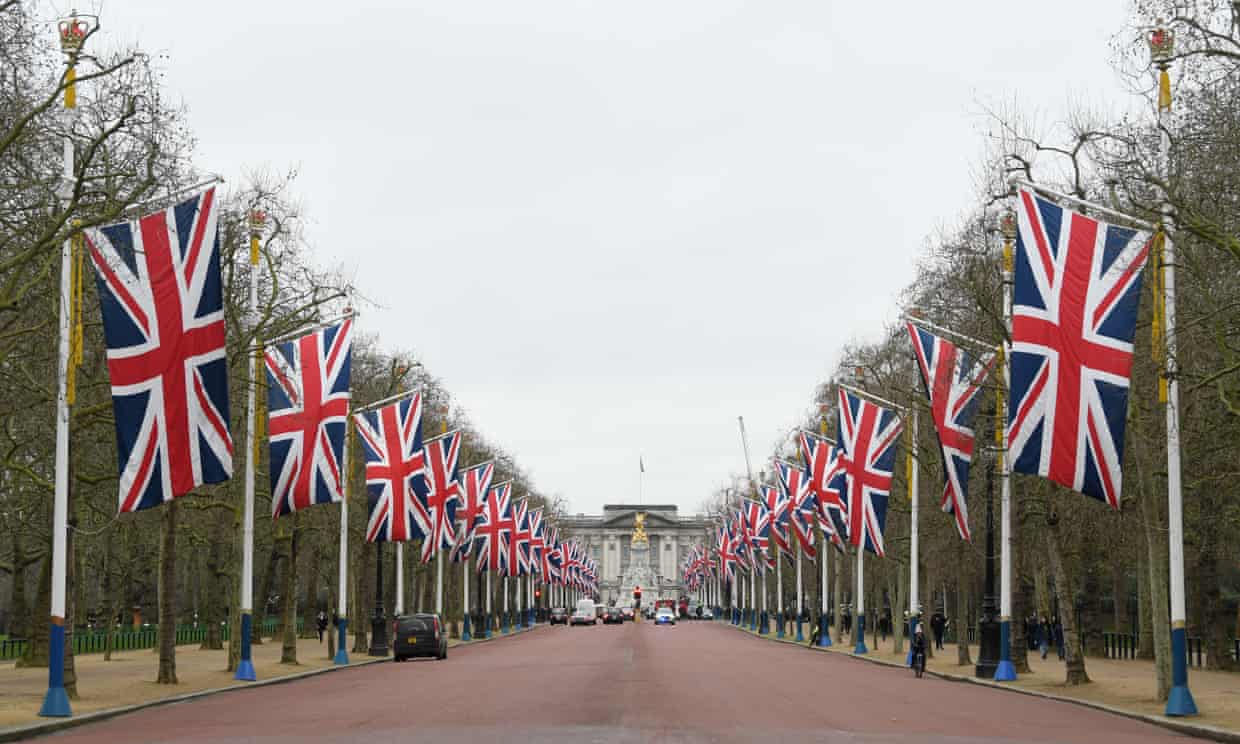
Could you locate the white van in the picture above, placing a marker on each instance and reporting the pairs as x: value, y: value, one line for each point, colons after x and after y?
x: 585, y: 614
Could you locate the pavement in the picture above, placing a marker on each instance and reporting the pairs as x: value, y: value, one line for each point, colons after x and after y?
x: 694, y: 682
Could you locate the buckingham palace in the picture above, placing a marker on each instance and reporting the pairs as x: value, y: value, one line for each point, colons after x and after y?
x: 608, y: 538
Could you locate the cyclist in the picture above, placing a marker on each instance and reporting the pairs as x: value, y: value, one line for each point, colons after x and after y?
x: 919, y: 650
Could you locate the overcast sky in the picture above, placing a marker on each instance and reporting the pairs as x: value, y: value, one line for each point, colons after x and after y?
x: 611, y: 227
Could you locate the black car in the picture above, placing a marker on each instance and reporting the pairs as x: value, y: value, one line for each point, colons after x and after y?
x: 559, y: 616
x: 613, y: 616
x: 419, y: 635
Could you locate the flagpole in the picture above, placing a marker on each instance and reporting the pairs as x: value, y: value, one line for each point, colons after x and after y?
x: 73, y: 33
x: 824, y: 634
x: 914, y: 563
x: 800, y: 608
x: 1006, y: 670
x: 490, y: 614
x: 1180, y: 700
x: 399, y: 608
x: 779, y: 591
x: 245, y: 665
x: 342, y: 587
x: 504, y: 627
x: 859, y: 626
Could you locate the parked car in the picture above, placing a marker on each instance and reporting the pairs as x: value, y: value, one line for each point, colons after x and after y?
x: 421, y: 634
x: 665, y: 616
x: 613, y: 616
x: 626, y: 613
x: 708, y: 613
x: 559, y: 616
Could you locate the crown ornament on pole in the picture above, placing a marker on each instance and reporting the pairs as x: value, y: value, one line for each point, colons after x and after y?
x: 73, y: 31
x: 1007, y: 225
x: 257, y: 220
x: 1162, y: 44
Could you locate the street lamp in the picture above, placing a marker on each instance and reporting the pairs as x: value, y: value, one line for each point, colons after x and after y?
x: 988, y: 625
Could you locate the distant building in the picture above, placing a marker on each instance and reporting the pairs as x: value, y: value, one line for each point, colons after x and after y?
x: 607, y: 538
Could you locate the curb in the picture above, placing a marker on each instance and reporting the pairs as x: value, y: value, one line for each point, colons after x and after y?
x: 1212, y: 733
x: 44, y: 728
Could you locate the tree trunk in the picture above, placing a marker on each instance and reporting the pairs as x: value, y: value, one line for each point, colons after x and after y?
x: 288, y: 653
x: 212, y: 607
x: 167, y: 596
x: 837, y: 589
x: 1018, y: 643
x: 963, y: 582
x: 37, y: 649
x: 899, y: 591
x: 1074, y: 658
x: 310, y: 599
x: 360, y: 601
x: 260, y: 600
x: 331, y: 631
x: 109, y: 599
x: 19, y: 612
x: 1143, y: 620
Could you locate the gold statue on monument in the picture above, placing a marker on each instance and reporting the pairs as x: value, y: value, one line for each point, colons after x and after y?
x: 639, y: 529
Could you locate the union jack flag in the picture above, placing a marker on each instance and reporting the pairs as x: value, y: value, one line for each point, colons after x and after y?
x: 794, y: 482
x: 475, y: 482
x: 727, y: 553
x: 1074, y: 312
x: 867, y: 435
x: 162, y: 303
x: 825, y: 483
x: 307, y: 412
x: 537, y: 541
x: 439, y: 492
x: 519, y: 543
x: 757, y: 526
x: 777, y: 506
x: 395, y: 461
x: 493, y: 529
x: 952, y: 379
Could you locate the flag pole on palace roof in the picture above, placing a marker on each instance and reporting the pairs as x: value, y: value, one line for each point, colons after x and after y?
x: 1180, y: 700
x: 245, y: 665
x: 73, y: 32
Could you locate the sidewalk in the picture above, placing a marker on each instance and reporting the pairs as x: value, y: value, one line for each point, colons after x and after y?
x: 1124, y: 685
x: 128, y: 679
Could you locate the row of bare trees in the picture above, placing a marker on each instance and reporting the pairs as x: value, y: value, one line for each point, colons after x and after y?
x: 1101, y: 570
x: 179, y: 563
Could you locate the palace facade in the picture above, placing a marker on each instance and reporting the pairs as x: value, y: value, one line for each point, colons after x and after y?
x: 608, y: 538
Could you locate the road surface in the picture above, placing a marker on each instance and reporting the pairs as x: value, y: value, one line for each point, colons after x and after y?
x: 696, y: 682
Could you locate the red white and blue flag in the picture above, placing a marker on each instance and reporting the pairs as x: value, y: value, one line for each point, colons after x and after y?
x: 952, y: 379
x: 392, y: 444
x: 475, y: 482
x: 493, y: 529
x: 825, y: 483
x: 794, y: 482
x: 727, y: 554
x: 162, y: 303
x: 777, y: 505
x: 537, y: 541
x: 1076, y: 288
x: 439, y: 493
x: 867, y: 440
x: 519, y: 543
x: 307, y: 413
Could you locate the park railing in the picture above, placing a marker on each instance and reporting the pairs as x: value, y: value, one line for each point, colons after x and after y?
x: 1124, y: 646
x: 96, y: 641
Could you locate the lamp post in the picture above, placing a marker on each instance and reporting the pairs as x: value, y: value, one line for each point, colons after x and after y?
x: 378, y: 623
x: 988, y: 625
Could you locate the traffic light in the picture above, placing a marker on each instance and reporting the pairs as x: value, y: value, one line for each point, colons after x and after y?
x: 537, y: 593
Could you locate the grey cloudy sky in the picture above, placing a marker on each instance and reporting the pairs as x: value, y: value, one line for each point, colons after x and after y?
x: 613, y: 227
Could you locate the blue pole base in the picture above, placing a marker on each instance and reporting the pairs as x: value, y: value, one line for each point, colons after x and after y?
x: 1179, y: 702
x: 503, y: 624
x: 56, y: 703
x: 1005, y: 672
x: 860, y: 648
x: 824, y: 632
x: 465, y: 629
x: 245, y: 666
x: 490, y: 622
x: 342, y: 656
x: 800, y: 633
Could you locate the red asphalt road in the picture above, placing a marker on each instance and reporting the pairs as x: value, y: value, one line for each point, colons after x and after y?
x: 695, y: 682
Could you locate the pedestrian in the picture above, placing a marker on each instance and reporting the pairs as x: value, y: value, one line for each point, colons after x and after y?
x: 846, y: 622
x: 884, y: 622
x: 1044, y: 636
x: 938, y: 625
x: 320, y: 622
x: 918, y: 649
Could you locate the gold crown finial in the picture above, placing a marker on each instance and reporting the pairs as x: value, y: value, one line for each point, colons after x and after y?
x: 72, y: 34
x: 1162, y: 44
x: 258, y: 220
x: 1007, y: 225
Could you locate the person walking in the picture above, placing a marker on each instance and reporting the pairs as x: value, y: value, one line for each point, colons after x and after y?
x: 1044, y: 636
x: 938, y: 625
x: 320, y: 622
x: 1059, y: 638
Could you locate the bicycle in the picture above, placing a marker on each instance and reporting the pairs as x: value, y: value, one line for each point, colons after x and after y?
x: 919, y: 663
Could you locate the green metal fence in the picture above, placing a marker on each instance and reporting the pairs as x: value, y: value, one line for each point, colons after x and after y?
x: 95, y: 641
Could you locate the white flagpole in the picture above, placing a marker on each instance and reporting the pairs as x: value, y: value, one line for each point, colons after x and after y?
x: 245, y: 665
x: 504, y: 626
x: 800, y: 607
x: 465, y: 635
x: 400, y: 579
x: 487, y: 634
x: 439, y: 582
x: 1180, y: 700
x: 56, y: 702
x: 342, y: 587
x: 1006, y: 670
x: 914, y: 564
x: 779, y: 591
x: 824, y: 630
